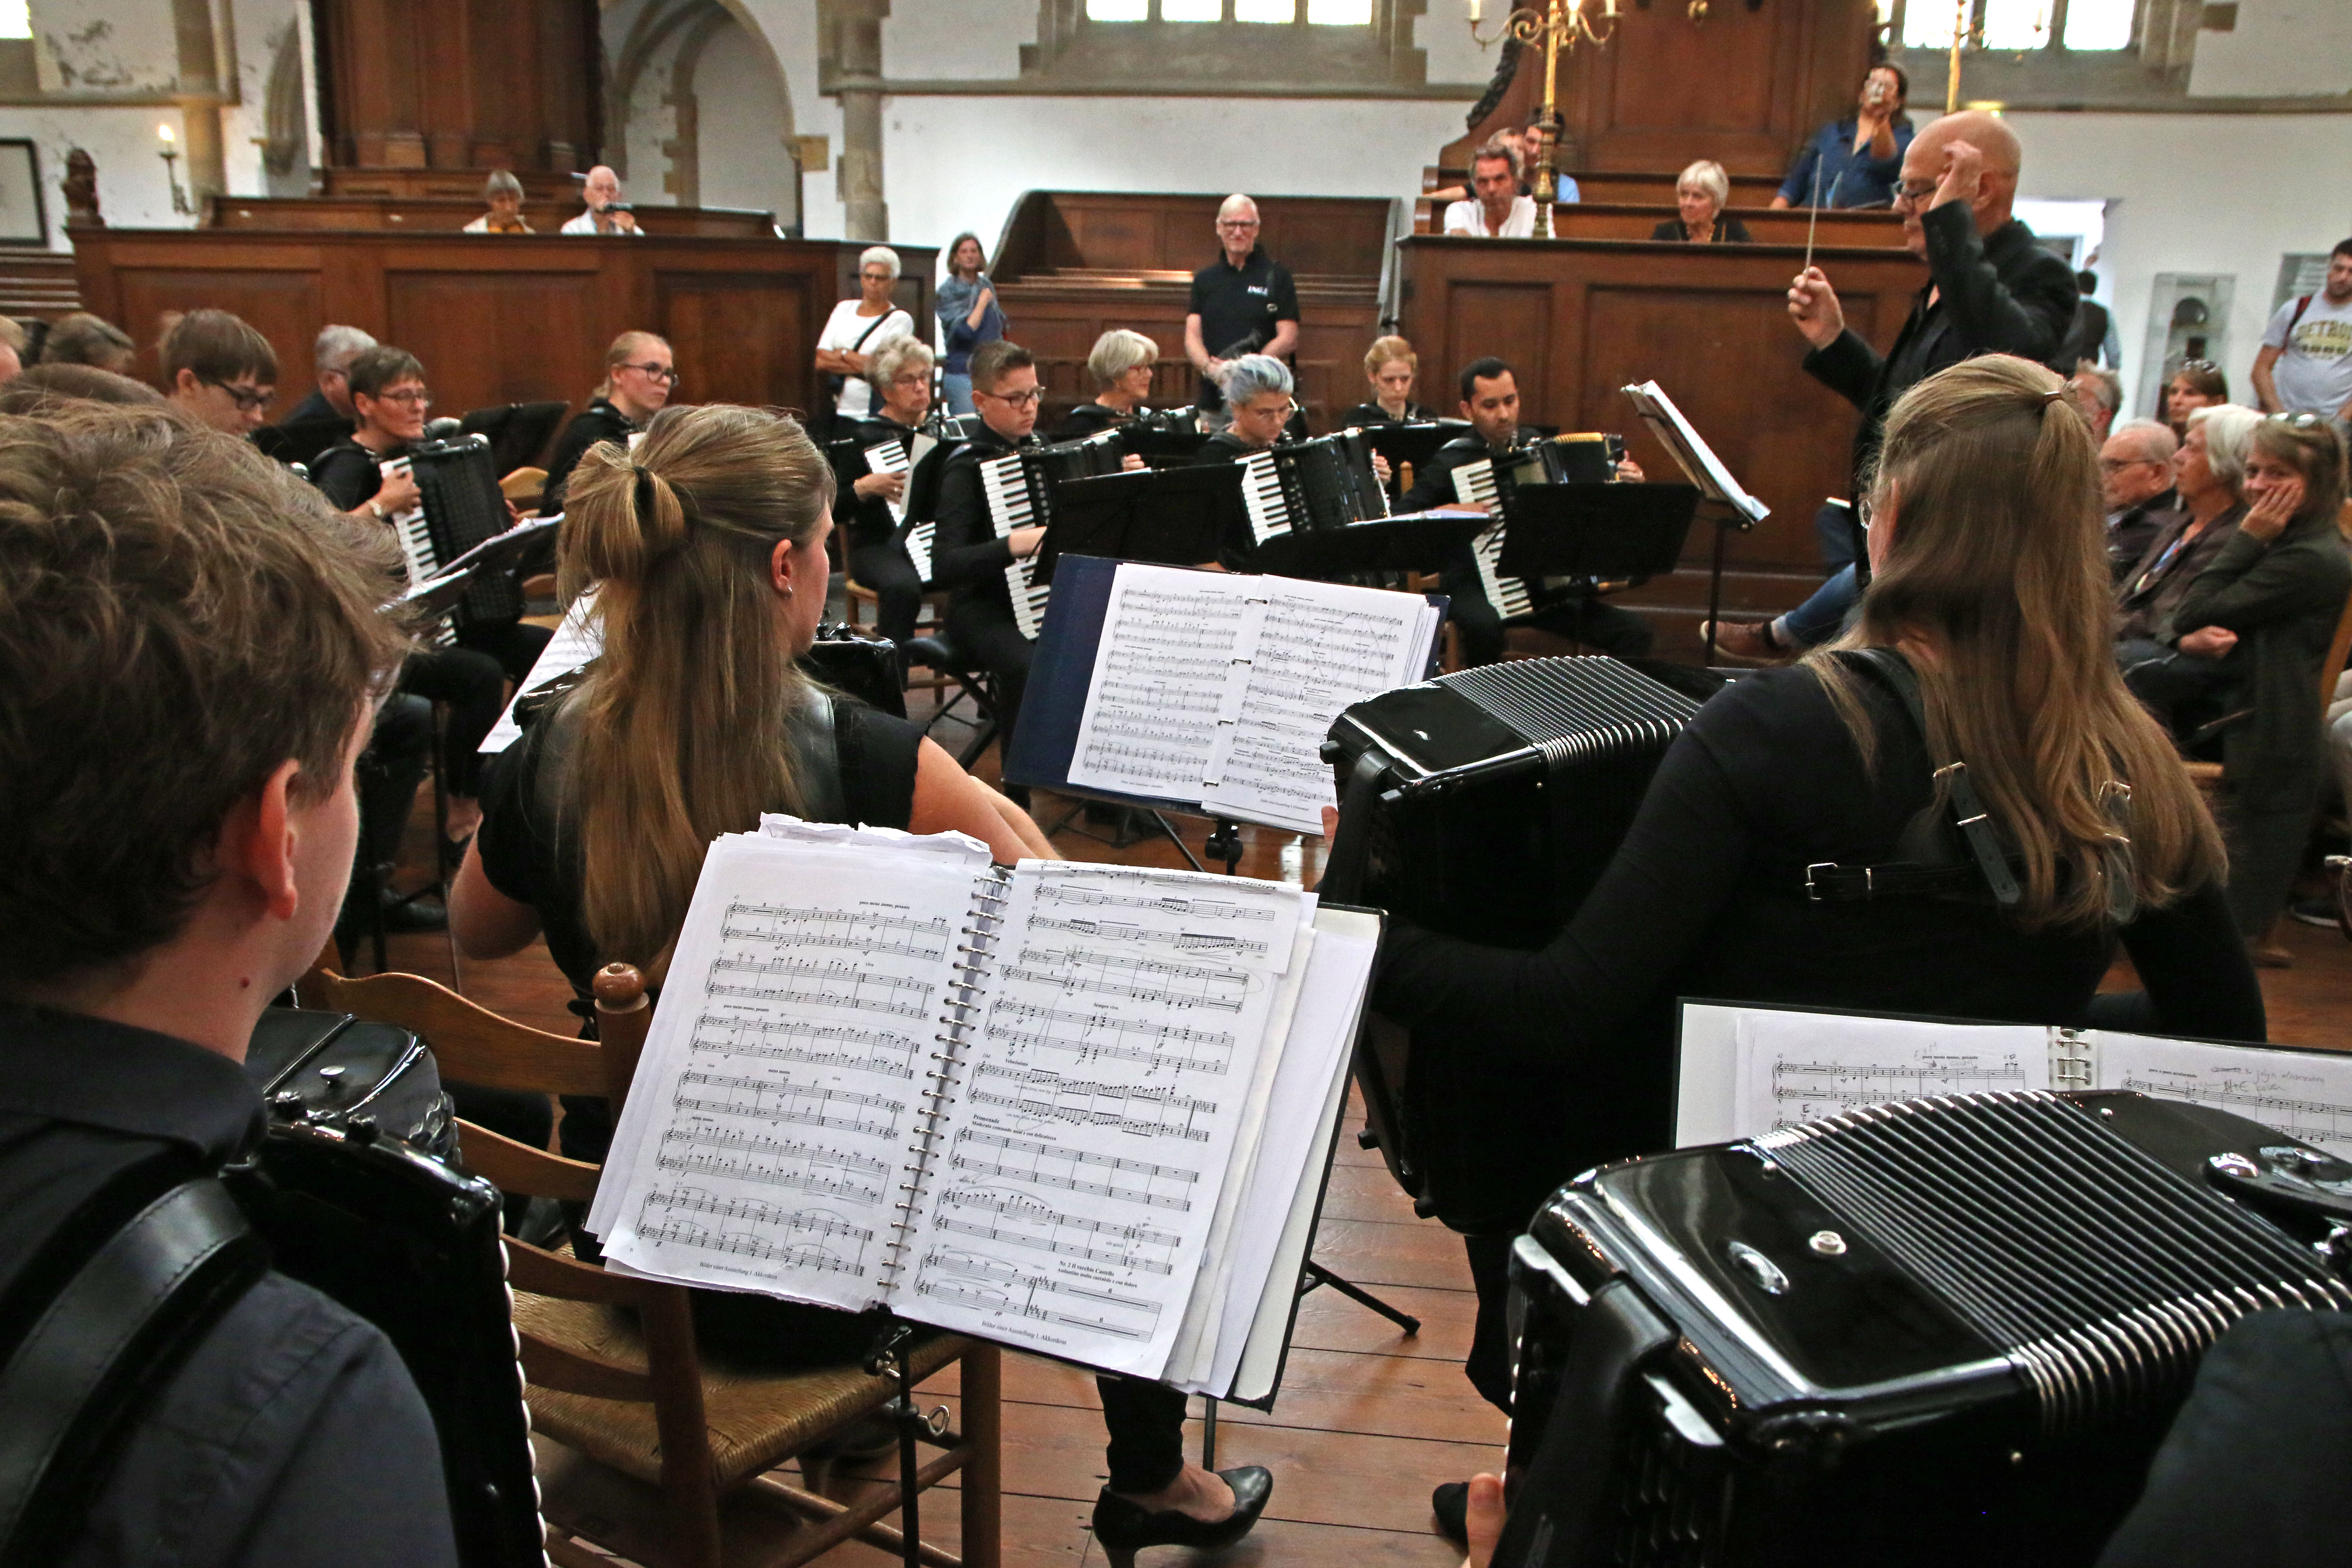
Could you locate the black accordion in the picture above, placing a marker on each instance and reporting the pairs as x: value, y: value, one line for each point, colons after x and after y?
x: 1485, y: 805
x: 1019, y: 489
x: 1325, y: 482
x: 1948, y: 1331
x: 1163, y: 438
x: 462, y: 506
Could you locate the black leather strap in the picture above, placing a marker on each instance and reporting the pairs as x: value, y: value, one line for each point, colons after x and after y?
x: 103, y: 1344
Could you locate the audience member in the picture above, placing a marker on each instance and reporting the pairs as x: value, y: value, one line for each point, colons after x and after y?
x: 1490, y: 402
x: 1496, y: 210
x: 1244, y: 302
x: 81, y: 337
x: 855, y: 324
x: 640, y: 373
x: 1701, y: 193
x: 2093, y: 336
x: 606, y: 213
x: 2195, y: 384
x: 1992, y: 289
x: 502, y: 192
x: 1987, y: 591
x: 2135, y: 471
x: 969, y: 317
x: 1392, y: 367
x: 330, y: 360
x: 2098, y: 395
x: 218, y: 370
x: 1856, y: 163
x: 187, y: 662
x: 2305, y: 365
x: 12, y: 349
x: 2208, y: 474
x: 876, y: 555
x: 1534, y: 148
x: 1121, y: 364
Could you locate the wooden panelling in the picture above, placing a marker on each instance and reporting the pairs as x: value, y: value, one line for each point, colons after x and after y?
x: 1582, y: 319
x: 450, y: 214
x: 1595, y: 220
x: 462, y: 84
x: 1059, y: 230
x: 504, y: 320
x: 1639, y: 187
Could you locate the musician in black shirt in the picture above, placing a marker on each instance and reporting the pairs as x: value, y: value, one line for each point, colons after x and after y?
x: 1392, y: 367
x: 1490, y: 400
x: 1990, y: 583
x: 1243, y: 302
x: 1122, y: 363
x: 899, y: 371
x: 640, y: 375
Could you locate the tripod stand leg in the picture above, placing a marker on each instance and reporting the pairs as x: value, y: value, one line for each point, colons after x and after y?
x: 1715, y: 595
x: 1208, y: 1431
x: 1178, y: 839
x: 1319, y: 1275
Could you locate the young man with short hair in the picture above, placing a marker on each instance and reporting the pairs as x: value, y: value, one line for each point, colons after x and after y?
x: 2306, y: 362
x: 189, y: 650
x: 219, y: 370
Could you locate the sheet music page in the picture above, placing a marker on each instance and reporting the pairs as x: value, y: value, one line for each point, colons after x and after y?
x: 577, y: 640
x: 1078, y: 1164
x: 1169, y: 640
x: 1796, y: 1067
x: 773, y: 1115
x: 2304, y: 1094
x: 1318, y: 647
x: 1690, y: 451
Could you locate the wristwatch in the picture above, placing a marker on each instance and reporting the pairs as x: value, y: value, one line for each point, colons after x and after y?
x: 375, y: 509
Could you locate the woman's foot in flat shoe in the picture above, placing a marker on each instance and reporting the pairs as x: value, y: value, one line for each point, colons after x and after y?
x: 1745, y: 642
x: 1200, y: 1509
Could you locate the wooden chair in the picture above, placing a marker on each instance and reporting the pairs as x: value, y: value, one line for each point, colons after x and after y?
x: 662, y: 1458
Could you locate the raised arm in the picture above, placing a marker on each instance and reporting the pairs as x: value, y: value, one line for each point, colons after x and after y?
x: 1990, y: 317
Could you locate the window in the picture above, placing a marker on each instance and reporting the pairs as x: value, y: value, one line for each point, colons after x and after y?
x: 16, y: 18
x: 2016, y: 25
x: 2098, y: 25
x: 1319, y: 12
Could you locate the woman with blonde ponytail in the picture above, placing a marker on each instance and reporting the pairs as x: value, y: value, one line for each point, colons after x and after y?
x: 707, y: 550
x: 1801, y: 841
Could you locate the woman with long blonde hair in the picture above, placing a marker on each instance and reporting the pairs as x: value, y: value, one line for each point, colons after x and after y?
x: 1803, y: 840
x: 707, y: 549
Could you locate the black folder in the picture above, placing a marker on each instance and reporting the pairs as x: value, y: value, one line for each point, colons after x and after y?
x: 1595, y: 531
x: 1409, y: 541
x: 1163, y: 517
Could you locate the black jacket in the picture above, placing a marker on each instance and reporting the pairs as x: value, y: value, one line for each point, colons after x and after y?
x: 291, y: 1433
x: 600, y: 421
x: 2000, y: 293
x: 1728, y: 230
x: 348, y: 473
x: 868, y: 517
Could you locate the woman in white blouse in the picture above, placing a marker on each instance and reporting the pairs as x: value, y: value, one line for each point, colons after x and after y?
x: 856, y: 325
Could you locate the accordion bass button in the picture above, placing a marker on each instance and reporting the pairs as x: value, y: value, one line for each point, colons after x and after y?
x: 1828, y: 1243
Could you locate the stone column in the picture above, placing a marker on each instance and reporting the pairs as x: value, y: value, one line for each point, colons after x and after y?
x: 200, y: 108
x: 858, y: 78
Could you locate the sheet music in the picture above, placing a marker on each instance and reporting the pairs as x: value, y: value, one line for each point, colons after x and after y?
x: 1691, y: 453
x: 1169, y: 640
x: 1079, y: 1165
x: 1317, y: 647
x: 578, y: 639
x: 1795, y: 1068
x: 772, y: 1118
x: 2305, y: 1095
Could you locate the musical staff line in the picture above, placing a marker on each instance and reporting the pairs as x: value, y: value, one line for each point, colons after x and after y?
x: 1134, y: 978
x: 812, y: 1159
x: 854, y: 930
x: 1129, y: 930
x: 875, y: 1042
x: 784, y: 1100
x: 1195, y: 907
x: 1148, y: 1043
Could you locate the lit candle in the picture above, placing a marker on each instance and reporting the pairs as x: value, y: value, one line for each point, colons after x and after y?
x: 164, y: 134
x: 1610, y: 9
x: 1474, y: 9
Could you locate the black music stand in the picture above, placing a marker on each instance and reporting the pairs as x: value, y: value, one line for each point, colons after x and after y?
x: 1162, y: 517
x: 1732, y: 505
x: 1409, y: 541
x: 1597, y: 531
x: 519, y: 433
x: 1414, y: 442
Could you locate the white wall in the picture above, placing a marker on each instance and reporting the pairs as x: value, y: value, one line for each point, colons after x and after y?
x: 791, y: 30
x: 131, y: 189
x: 2279, y: 49
x: 742, y: 122
x: 2195, y: 192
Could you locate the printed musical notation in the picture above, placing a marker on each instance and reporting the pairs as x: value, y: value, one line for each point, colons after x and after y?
x: 1026, y: 1222
x: 702, y: 1150
x: 1797, y: 1068
x: 835, y: 984
x: 1168, y: 648
x: 1806, y: 1092
x: 859, y: 930
x: 1173, y: 1046
x: 815, y: 1239
x: 1152, y: 1110
x: 1136, y: 979
x: 1192, y: 908
x: 818, y: 1044
x: 1130, y: 930
x: 948, y: 1275
x: 781, y: 1100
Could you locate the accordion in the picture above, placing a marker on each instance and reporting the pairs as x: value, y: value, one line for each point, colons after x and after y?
x: 461, y: 507
x: 1485, y: 805
x: 1944, y: 1332
x: 1326, y: 482
x: 1019, y: 487
x: 1163, y: 438
x: 1585, y: 458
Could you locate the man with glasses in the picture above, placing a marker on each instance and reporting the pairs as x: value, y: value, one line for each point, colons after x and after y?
x: 2136, y: 467
x: 607, y: 214
x: 2306, y: 362
x: 640, y: 376
x: 1244, y: 302
x: 219, y: 370
x: 1992, y: 289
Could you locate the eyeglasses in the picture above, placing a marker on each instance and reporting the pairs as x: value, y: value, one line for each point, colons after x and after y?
x: 1916, y: 190
x: 1028, y: 399
x: 415, y: 396
x: 2300, y: 421
x: 1283, y: 411
x: 2117, y: 465
x: 1237, y: 223
x: 912, y: 378
x: 246, y: 398
x: 876, y: 278
x: 668, y: 372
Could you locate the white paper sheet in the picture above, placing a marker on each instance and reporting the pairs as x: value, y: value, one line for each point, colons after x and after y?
x: 1796, y: 1067
x: 1169, y: 640
x: 577, y: 640
x: 2305, y: 1095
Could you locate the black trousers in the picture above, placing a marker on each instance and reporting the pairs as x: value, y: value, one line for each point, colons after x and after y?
x: 515, y: 645
x: 1596, y: 623
x: 400, y: 750
x: 1490, y: 1366
x: 984, y: 631
x: 474, y: 685
x: 883, y: 566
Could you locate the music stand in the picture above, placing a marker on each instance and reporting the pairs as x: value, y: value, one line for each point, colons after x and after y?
x: 517, y: 432
x: 434, y: 599
x: 1162, y: 517
x: 1596, y: 531
x: 1735, y: 507
x: 1414, y: 442
x: 1409, y: 541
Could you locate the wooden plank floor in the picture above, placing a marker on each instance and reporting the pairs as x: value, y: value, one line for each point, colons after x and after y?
x: 1368, y: 1420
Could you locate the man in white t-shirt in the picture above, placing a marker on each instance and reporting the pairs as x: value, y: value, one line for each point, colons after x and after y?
x: 859, y: 327
x: 606, y: 214
x: 1495, y: 210
x: 2306, y: 362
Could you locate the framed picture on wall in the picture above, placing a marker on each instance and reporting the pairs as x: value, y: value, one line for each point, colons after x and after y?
x: 24, y: 219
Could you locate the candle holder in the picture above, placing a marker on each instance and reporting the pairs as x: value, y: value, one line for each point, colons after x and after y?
x: 1560, y: 25
x: 170, y: 153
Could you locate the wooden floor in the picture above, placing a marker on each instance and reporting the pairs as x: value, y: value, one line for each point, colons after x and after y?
x: 1368, y: 1420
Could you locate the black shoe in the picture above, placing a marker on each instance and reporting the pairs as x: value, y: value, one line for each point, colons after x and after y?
x: 1451, y: 1503
x: 421, y: 913
x: 2314, y: 911
x: 1122, y: 1528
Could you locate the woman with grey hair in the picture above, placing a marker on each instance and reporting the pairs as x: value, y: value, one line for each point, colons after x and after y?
x: 503, y: 193
x: 871, y: 499
x: 1121, y: 364
x: 1257, y: 390
x: 2181, y: 679
x: 856, y: 324
x: 1701, y: 193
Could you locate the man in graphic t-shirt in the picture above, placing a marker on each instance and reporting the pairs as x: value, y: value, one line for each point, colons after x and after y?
x: 2306, y: 362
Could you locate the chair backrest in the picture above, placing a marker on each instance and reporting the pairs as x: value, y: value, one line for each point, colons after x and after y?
x: 470, y: 1042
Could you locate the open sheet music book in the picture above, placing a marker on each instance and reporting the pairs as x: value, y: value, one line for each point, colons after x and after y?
x: 1079, y: 1109
x: 1219, y: 688
x: 1746, y: 1071
x: 1692, y: 455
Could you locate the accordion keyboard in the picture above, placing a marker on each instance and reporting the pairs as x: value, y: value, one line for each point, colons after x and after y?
x: 1005, y: 483
x: 1475, y: 485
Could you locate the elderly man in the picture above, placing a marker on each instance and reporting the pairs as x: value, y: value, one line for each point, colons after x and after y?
x: 606, y: 214
x: 2306, y: 362
x: 1991, y: 288
x: 330, y: 360
x: 1497, y: 210
x: 1242, y: 303
x: 502, y: 193
x: 2098, y: 393
x: 2136, y: 467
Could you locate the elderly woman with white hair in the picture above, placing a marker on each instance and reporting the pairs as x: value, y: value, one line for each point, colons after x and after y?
x: 1122, y: 363
x: 855, y: 327
x: 502, y: 193
x: 1701, y: 193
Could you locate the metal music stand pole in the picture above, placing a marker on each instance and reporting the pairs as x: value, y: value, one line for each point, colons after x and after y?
x: 1722, y: 526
